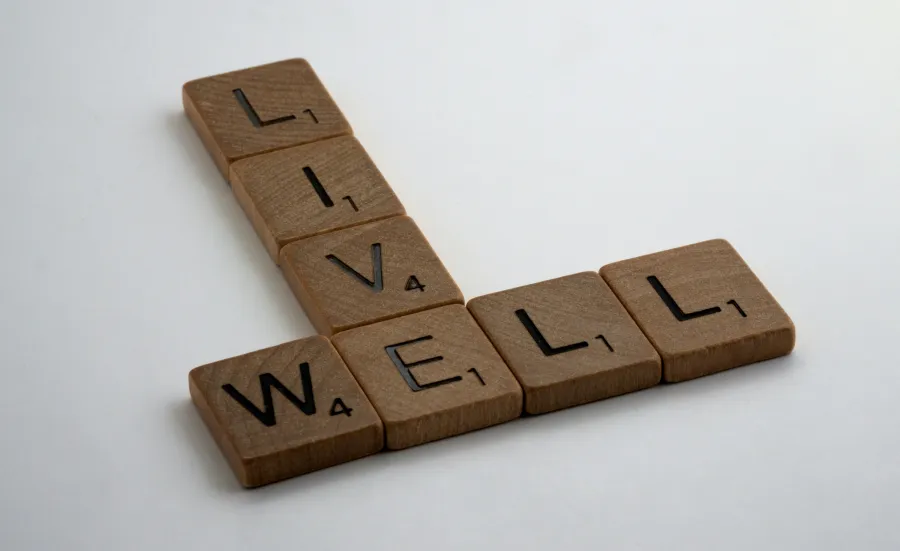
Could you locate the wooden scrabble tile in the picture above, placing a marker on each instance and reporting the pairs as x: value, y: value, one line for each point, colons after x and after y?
x: 365, y: 274
x: 568, y: 341
x: 702, y: 308
x: 311, y: 189
x: 261, y: 109
x: 431, y: 375
x: 285, y: 411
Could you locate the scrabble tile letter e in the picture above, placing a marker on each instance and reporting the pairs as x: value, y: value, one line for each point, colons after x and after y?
x: 431, y: 375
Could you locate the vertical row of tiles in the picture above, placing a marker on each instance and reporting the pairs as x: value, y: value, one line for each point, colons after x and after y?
x: 327, y: 216
x: 296, y: 170
x: 367, y: 276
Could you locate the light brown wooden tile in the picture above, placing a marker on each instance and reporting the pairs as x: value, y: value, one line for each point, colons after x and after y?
x: 285, y: 411
x: 702, y: 308
x: 365, y: 274
x: 568, y: 341
x: 261, y: 109
x: 431, y: 375
x: 311, y: 189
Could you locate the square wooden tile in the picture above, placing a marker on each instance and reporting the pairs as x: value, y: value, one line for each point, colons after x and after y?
x: 431, y: 375
x: 311, y: 189
x: 568, y: 341
x: 365, y: 274
x: 261, y: 109
x: 702, y: 308
x: 285, y: 411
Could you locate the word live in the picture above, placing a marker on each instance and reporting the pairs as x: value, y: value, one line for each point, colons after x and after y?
x: 401, y: 359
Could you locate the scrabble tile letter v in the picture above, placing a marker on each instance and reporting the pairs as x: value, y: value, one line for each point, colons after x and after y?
x: 261, y: 109
x: 702, y: 308
x: 285, y: 411
x: 366, y: 274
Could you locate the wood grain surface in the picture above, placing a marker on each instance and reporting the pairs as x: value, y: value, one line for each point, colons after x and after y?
x: 270, y: 439
x: 261, y: 109
x: 311, y: 189
x: 702, y: 308
x: 366, y: 274
x: 431, y: 375
x: 568, y: 341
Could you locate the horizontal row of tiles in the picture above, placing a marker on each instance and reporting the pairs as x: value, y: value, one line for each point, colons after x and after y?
x: 446, y: 370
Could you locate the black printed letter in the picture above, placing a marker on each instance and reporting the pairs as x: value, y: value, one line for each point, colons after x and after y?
x: 541, y: 341
x: 676, y: 310
x: 318, y: 187
x: 267, y: 381
x: 404, y: 368
x: 377, y: 285
x: 251, y: 112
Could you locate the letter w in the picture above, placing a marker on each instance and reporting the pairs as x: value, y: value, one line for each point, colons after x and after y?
x: 267, y: 381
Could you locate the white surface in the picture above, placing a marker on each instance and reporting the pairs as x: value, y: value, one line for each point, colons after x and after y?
x: 529, y: 141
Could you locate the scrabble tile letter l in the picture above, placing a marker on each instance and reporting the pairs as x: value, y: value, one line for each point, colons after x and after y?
x: 568, y: 340
x: 431, y: 375
x: 261, y: 109
x: 702, y: 308
x: 285, y: 411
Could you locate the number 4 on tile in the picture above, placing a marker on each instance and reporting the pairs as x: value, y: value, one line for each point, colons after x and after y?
x: 413, y: 283
x: 339, y: 403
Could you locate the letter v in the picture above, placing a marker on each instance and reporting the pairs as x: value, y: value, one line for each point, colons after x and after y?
x: 267, y: 381
x: 378, y: 284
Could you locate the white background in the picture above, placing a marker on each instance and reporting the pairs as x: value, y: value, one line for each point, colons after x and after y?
x: 529, y: 140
